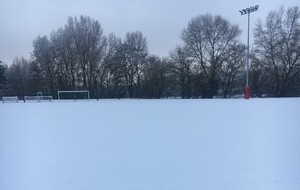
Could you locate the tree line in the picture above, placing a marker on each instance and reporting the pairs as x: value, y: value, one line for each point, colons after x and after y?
x: 209, y: 63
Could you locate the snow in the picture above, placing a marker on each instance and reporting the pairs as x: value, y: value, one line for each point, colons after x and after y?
x: 151, y: 145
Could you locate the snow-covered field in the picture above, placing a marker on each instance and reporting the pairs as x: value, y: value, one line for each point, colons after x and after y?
x: 151, y: 145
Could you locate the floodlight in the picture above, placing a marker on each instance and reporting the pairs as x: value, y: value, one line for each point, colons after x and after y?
x: 243, y: 12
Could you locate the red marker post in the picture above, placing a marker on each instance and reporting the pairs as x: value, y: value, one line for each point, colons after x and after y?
x: 247, y: 92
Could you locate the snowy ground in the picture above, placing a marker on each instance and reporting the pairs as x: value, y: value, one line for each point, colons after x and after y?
x: 151, y: 145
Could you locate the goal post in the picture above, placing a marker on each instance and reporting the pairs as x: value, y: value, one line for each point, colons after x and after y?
x: 73, y: 95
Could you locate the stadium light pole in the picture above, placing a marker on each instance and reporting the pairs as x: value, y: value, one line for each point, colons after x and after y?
x: 247, y: 11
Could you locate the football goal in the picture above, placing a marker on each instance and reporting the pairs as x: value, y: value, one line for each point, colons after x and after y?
x: 9, y: 99
x: 38, y: 98
x: 73, y: 95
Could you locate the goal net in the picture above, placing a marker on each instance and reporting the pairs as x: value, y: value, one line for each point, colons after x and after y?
x: 38, y: 98
x: 8, y: 99
x: 73, y: 95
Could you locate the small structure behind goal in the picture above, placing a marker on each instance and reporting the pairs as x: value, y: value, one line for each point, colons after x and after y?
x: 39, y: 97
x: 73, y: 95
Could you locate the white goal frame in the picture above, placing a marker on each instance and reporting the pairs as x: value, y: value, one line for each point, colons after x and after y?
x: 74, y: 92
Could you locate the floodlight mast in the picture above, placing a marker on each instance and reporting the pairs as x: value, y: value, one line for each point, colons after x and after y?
x: 244, y: 12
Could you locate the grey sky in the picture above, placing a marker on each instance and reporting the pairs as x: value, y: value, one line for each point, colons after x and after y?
x: 161, y: 21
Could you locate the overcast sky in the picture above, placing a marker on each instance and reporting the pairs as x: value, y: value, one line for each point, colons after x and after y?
x: 161, y: 21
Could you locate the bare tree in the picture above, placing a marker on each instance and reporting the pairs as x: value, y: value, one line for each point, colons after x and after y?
x: 43, y: 54
x: 260, y: 78
x: 155, y: 77
x: 135, y: 49
x: 183, y: 70
x: 67, y: 67
x: 72, y: 58
x: 113, y: 77
x: 208, y: 38
x: 90, y: 46
x: 3, y: 77
x: 37, y: 81
x: 278, y: 45
x: 18, y: 77
x: 233, y: 63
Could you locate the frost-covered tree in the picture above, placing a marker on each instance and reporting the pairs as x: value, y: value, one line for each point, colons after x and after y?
x: 90, y: 46
x: 71, y: 58
x: 43, y: 54
x: 18, y: 77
